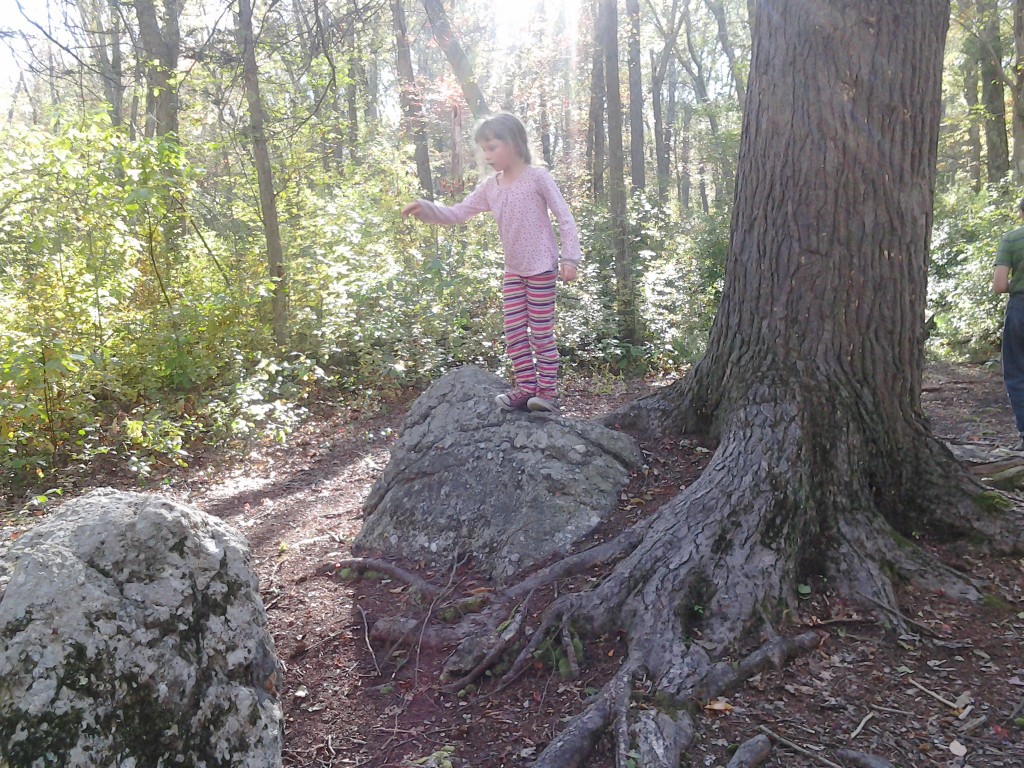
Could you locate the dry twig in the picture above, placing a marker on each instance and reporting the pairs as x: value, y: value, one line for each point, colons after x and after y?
x: 366, y: 636
x: 797, y: 748
x: 860, y: 727
x: 933, y: 694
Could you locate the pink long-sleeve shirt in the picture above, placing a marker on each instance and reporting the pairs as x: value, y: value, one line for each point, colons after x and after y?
x: 521, y: 210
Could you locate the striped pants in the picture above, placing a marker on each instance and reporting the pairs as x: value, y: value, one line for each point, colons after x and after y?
x: 529, y: 308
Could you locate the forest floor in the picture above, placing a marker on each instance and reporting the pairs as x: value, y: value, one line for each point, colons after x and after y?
x: 949, y: 695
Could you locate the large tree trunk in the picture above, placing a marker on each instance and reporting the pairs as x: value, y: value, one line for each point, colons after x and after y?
x: 812, y: 377
x: 264, y: 175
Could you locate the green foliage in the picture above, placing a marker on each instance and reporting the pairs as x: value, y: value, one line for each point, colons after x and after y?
x: 683, y: 287
x: 679, y: 268
x: 138, y: 322
x: 119, y: 340
x: 967, y: 315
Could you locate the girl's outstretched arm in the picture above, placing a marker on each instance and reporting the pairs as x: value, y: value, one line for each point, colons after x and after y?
x: 433, y: 213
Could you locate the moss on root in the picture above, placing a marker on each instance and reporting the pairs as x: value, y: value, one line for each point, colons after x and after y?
x: 993, y: 502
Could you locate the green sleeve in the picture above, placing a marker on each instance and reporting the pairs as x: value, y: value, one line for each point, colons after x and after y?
x: 1004, y: 256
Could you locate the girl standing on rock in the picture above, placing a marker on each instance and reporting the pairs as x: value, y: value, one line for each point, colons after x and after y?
x: 520, y: 195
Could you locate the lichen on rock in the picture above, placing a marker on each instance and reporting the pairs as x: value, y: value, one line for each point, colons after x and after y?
x: 132, y: 634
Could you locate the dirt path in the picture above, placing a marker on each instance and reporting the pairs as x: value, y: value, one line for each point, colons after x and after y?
x: 864, y: 689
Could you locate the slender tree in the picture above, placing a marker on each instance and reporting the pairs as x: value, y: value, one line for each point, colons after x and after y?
x: 993, y: 97
x: 625, y: 283
x: 636, y: 99
x: 264, y: 174
x: 446, y: 40
x: 409, y: 97
x: 660, y: 63
x: 1017, y: 84
x: 160, y: 38
x: 717, y: 9
x: 596, y: 136
x: 974, y: 153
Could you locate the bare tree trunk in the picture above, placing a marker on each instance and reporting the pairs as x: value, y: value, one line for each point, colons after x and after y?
x: 970, y: 73
x: 717, y: 9
x: 636, y: 100
x: 595, y: 121
x: 161, y: 47
x: 457, y: 58
x: 412, y: 107
x: 625, y: 286
x: 1018, y: 91
x: 663, y: 128
x: 264, y: 174
x: 997, y: 151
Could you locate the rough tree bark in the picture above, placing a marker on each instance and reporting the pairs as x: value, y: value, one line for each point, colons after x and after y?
x: 811, y: 385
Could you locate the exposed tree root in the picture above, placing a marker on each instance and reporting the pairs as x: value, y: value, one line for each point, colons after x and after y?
x: 751, y: 753
x: 729, y: 550
x: 689, y: 584
x: 581, y: 561
x: 504, y: 640
x: 361, y: 565
x: 862, y: 759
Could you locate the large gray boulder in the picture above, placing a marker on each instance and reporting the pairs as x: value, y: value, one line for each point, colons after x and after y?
x: 132, y: 635
x: 512, y: 489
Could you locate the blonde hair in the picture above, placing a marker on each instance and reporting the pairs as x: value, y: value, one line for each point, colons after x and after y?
x: 507, y: 128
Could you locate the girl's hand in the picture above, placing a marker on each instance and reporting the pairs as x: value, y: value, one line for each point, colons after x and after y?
x: 568, y: 271
x: 412, y: 209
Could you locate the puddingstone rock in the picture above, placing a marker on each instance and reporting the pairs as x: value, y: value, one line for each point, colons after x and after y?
x: 512, y: 488
x: 132, y: 634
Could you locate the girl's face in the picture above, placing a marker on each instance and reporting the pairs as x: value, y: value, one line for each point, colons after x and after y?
x: 500, y: 155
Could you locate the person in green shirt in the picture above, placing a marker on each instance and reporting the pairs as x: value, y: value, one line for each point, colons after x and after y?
x: 1009, y: 278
